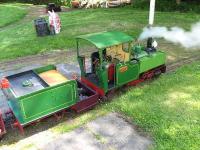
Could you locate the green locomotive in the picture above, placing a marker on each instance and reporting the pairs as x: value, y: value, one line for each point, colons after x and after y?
x: 115, y: 61
x: 112, y: 63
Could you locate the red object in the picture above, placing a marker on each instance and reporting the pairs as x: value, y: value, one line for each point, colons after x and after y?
x: 75, y: 3
x: 5, y: 83
x: 87, y: 103
x: 19, y: 126
x: 148, y: 75
x: 111, y: 71
x: 135, y: 82
x: 60, y: 115
x: 93, y: 86
x: 145, y: 76
x: 2, y: 126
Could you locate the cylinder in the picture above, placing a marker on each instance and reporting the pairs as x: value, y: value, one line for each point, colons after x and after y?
x: 152, y: 12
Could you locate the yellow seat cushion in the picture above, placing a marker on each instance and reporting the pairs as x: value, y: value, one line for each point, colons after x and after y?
x: 117, y: 52
x: 123, y: 56
x: 53, y: 77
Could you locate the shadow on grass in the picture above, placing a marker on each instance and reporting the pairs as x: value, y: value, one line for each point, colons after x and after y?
x: 70, y: 121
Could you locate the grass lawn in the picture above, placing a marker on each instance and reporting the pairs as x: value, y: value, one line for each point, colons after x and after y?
x: 21, y: 40
x: 10, y: 13
x: 168, y: 108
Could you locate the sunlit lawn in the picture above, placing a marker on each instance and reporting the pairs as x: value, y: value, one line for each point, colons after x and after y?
x: 168, y: 108
x: 21, y: 40
x: 10, y: 13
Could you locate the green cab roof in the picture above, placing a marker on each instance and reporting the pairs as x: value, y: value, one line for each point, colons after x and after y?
x: 106, y: 39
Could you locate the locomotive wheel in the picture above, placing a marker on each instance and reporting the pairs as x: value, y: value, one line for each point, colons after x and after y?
x: 156, y: 72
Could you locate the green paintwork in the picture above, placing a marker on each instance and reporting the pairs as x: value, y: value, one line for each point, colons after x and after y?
x: 130, y: 74
x: 102, y: 40
x: 139, y: 51
x: 152, y: 61
x: 106, y: 39
x: 81, y: 63
x: 45, y: 68
x: 139, y: 62
x: 45, y: 102
x: 102, y: 74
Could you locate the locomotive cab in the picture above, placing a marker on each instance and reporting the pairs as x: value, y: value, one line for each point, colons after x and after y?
x: 109, y: 63
x: 113, y: 62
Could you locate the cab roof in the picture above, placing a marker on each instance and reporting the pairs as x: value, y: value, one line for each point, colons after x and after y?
x: 106, y: 39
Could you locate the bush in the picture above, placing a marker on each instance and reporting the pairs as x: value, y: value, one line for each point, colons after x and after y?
x: 170, y: 5
x: 58, y: 2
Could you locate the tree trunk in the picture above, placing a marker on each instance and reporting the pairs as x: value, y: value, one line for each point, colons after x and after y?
x: 178, y: 1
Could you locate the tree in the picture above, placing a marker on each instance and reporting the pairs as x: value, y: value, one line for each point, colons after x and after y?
x: 178, y: 1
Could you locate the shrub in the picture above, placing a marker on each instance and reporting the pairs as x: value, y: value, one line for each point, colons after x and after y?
x: 170, y: 5
x: 59, y: 2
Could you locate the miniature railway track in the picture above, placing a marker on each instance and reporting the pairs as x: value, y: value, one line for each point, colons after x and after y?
x: 173, y: 66
x: 66, y: 57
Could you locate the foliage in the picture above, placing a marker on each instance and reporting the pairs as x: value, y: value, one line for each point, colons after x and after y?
x: 59, y: 2
x: 170, y: 5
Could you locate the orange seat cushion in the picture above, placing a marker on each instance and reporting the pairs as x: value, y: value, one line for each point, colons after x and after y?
x: 53, y: 77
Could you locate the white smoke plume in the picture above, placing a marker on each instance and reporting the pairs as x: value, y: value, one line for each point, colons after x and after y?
x: 188, y: 39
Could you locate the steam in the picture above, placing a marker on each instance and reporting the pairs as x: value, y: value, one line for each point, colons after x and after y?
x: 188, y: 39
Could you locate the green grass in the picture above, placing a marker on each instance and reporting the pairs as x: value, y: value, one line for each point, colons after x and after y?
x: 168, y: 108
x: 79, y: 120
x: 10, y: 13
x: 21, y: 40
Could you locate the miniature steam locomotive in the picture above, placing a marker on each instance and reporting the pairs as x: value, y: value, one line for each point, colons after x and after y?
x: 112, y: 62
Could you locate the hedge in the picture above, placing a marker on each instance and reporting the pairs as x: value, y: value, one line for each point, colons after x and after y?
x: 170, y: 5
x: 60, y: 2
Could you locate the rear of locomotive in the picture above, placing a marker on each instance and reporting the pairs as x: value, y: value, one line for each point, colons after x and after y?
x: 42, y: 92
